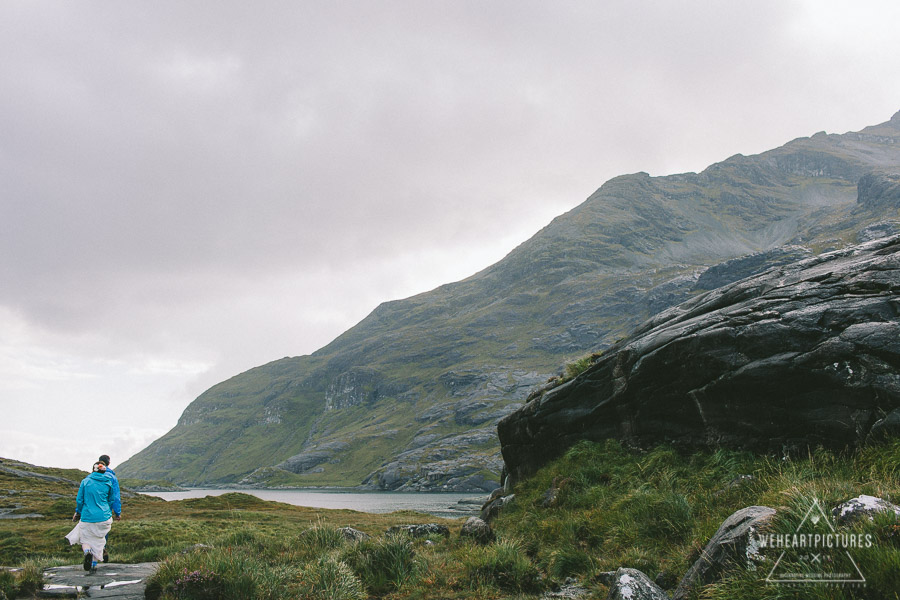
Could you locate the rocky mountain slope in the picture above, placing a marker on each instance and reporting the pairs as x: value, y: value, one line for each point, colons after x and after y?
x: 800, y: 356
x: 409, y: 398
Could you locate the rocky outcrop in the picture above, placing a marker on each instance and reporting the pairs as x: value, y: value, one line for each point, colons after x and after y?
x: 863, y: 507
x: 477, y: 530
x: 879, y: 190
x: 354, y: 535
x: 631, y: 584
x: 734, y: 542
x: 419, y: 531
x: 442, y: 463
x: 494, y: 505
x: 312, y: 458
x: 800, y: 355
x: 745, y: 266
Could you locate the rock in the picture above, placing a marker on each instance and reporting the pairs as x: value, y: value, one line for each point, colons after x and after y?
x: 879, y: 190
x: 570, y: 590
x: 489, y: 512
x: 497, y: 493
x: 735, y: 541
x: 886, y: 427
x: 665, y: 580
x: 354, y: 535
x: 801, y: 355
x: 631, y: 584
x: 550, y: 497
x: 751, y: 264
x: 32, y: 475
x: 308, y: 459
x: 111, y: 580
x: 418, y: 531
x: 476, y: 529
x: 862, y: 506
x: 877, y: 231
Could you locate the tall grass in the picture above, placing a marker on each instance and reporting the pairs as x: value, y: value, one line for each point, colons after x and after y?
x: 655, y: 510
x: 385, y: 564
x: 502, y: 565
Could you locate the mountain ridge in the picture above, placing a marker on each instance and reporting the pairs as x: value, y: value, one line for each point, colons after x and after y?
x: 409, y: 397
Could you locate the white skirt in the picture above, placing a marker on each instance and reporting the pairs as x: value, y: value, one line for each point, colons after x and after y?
x: 91, y: 536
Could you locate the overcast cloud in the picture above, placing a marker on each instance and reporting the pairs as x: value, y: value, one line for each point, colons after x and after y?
x: 191, y: 189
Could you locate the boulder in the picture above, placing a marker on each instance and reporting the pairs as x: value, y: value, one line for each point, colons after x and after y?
x: 735, y: 541
x: 885, y: 427
x: 862, y: 507
x: 569, y: 590
x: 418, y: 531
x: 631, y: 584
x: 477, y: 530
x: 493, y: 508
x: 353, y: 535
x: 801, y: 355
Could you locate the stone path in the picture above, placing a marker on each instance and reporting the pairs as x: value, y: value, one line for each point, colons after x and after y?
x: 113, y: 580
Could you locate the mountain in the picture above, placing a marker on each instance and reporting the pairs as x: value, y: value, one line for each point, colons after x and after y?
x: 410, y: 397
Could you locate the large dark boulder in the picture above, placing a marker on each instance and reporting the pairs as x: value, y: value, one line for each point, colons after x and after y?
x: 803, y: 354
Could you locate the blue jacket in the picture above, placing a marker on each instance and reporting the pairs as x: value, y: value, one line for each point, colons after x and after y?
x: 96, y: 498
x: 116, y: 504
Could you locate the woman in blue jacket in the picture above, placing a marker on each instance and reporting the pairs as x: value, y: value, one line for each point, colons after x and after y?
x: 96, y: 504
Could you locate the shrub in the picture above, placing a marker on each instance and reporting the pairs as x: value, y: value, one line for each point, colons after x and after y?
x: 502, y: 565
x: 7, y: 584
x: 31, y: 577
x: 330, y: 579
x: 568, y: 561
x: 385, y: 564
x: 199, y: 584
x: 321, y: 538
x: 219, y: 573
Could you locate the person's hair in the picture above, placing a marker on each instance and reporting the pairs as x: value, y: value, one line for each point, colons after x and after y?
x: 104, y: 458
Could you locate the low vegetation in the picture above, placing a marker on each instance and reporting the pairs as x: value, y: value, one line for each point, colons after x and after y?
x: 609, y: 507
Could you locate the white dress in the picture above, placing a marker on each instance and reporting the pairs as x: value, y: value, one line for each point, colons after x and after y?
x: 92, y: 536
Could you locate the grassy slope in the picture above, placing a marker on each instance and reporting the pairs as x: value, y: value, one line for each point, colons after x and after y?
x: 650, y: 510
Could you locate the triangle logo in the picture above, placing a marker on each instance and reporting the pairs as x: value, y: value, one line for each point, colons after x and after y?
x: 814, y: 553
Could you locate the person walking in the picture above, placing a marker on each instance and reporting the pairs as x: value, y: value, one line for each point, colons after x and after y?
x: 95, y: 506
x: 104, y: 458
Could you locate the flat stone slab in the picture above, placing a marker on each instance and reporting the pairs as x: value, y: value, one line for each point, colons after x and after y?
x: 113, y: 580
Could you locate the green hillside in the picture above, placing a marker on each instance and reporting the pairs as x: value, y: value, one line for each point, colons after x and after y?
x: 409, y: 398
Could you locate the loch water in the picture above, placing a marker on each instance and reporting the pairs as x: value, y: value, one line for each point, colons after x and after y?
x: 439, y: 504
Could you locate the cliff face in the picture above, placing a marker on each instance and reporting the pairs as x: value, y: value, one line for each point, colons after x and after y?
x: 802, y: 355
x: 409, y: 398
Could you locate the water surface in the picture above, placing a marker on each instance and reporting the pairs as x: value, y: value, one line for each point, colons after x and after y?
x: 438, y: 504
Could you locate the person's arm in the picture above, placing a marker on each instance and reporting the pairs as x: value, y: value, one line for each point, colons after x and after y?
x: 115, y: 501
x: 79, y: 502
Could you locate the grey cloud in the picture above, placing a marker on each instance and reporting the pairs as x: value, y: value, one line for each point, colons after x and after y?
x: 186, y: 145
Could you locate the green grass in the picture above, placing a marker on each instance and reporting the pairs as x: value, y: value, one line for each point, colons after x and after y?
x: 652, y: 510
x: 655, y: 511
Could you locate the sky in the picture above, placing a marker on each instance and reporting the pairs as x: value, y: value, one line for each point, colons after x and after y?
x: 192, y: 189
